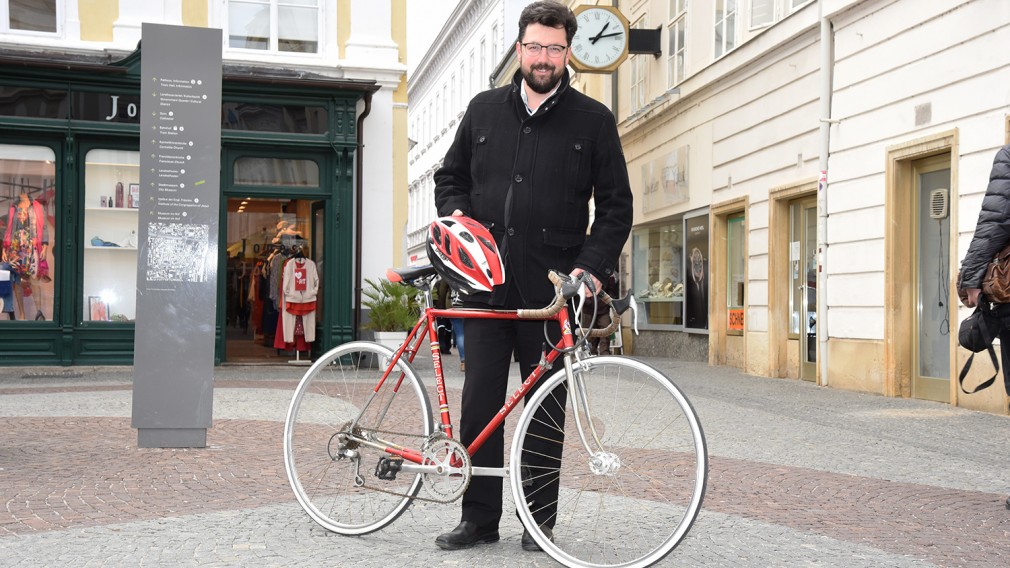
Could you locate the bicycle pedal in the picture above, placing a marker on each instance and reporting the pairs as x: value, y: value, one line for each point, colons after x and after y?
x: 387, y: 468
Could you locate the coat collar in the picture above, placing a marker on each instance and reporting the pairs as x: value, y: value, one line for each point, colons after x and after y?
x: 517, y: 83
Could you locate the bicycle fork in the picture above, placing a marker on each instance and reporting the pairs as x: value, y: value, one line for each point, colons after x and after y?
x: 601, y: 462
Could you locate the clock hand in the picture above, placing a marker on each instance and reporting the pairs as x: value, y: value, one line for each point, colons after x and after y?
x: 597, y: 37
x: 609, y: 35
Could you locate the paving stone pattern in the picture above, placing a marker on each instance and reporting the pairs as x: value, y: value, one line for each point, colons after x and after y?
x: 800, y: 476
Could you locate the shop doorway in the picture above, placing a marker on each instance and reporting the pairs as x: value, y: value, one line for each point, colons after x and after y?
x: 263, y: 235
x: 803, y: 275
x: 931, y: 309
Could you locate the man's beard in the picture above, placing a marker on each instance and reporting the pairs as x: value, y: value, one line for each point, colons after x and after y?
x: 546, y: 85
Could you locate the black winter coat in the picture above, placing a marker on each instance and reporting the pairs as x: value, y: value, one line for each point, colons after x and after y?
x: 992, y: 232
x: 529, y: 180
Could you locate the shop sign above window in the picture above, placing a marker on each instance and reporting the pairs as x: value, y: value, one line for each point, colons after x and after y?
x: 105, y: 107
x: 664, y: 180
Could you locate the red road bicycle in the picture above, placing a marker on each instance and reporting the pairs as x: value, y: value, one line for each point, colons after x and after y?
x: 361, y: 441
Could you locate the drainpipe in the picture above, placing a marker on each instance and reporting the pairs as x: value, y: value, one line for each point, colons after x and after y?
x: 827, y: 68
x: 358, y: 192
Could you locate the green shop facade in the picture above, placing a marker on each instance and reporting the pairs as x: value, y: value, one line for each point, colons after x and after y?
x: 70, y: 193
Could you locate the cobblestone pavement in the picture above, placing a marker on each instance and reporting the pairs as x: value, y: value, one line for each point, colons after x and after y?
x: 800, y: 476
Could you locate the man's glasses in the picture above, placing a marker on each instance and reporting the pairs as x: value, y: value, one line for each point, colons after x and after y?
x: 534, y: 49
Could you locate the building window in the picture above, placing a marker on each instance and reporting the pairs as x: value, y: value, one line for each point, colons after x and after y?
x: 725, y: 27
x: 766, y: 12
x: 464, y: 93
x: 453, y: 96
x: 736, y: 262
x: 494, y: 44
x: 438, y: 112
x: 290, y: 26
x: 639, y: 68
x: 27, y: 224
x: 762, y: 13
x: 676, y: 42
x: 38, y: 16
x: 446, y: 107
x: 483, y: 64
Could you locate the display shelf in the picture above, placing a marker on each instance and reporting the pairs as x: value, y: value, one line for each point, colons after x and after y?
x: 110, y: 275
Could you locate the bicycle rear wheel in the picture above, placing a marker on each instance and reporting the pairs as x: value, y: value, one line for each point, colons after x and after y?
x: 337, y: 405
x: 632, y: 497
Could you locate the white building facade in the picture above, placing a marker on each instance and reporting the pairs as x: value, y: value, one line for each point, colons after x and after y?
x: 458, y: 65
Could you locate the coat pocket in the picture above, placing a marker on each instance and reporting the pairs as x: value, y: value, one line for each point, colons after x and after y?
x: 478, y: 157
x: 564, y: 239
x: 578, y: 172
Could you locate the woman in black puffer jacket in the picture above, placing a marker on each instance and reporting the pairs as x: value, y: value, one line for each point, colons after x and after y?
x: 992, y: 232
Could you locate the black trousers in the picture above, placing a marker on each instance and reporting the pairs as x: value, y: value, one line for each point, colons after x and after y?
x: 489, y: 346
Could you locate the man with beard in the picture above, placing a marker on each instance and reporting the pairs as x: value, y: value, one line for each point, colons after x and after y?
x: 525, y: 162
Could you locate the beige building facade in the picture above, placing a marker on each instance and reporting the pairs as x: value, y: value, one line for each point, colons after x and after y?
x: 836, y: 152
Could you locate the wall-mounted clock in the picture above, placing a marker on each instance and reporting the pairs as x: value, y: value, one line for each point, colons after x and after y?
x: 601, y: 42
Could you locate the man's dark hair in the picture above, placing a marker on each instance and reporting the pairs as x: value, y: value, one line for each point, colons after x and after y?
x: 548, y: 13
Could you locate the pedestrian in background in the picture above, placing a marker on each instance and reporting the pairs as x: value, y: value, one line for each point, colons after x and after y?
x: 992, y: 233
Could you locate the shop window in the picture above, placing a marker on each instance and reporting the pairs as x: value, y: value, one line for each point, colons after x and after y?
x: 28, y: 225
x: 280, y: 172
x: 29, y: 15
x: 657, y: 281
x: 736, y: 260
x: 111, y: 203
x: 290, y: 26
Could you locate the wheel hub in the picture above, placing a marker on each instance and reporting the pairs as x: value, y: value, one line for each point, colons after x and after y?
x: 604, y: 463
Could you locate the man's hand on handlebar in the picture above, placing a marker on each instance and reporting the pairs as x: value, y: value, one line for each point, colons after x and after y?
x: 597, y: 285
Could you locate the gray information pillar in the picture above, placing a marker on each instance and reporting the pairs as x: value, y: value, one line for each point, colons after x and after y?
x: 180, y: 172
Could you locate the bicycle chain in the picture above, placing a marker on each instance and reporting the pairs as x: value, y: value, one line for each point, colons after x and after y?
x: 399, y: 494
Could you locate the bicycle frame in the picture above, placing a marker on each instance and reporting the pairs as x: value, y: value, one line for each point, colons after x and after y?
x: 412, y: 345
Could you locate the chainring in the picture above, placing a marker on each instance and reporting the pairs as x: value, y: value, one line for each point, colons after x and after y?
x: 449, y: 485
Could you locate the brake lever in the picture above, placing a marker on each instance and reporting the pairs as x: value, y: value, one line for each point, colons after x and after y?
x: 622, y: 305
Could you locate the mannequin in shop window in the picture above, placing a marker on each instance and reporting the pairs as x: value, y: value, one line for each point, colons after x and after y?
x: 25, y: 245
x: 297, y: 320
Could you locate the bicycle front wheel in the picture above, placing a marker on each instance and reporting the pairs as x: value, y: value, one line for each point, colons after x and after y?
x: 613, y: 462
x: 338, y: 424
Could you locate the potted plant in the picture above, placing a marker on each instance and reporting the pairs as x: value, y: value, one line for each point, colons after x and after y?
x: 393, y: 310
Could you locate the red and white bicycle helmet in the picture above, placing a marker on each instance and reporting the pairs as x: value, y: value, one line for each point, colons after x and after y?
x: 464, y: 254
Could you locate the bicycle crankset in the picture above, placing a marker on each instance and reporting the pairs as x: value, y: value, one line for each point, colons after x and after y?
x: 453, y: 461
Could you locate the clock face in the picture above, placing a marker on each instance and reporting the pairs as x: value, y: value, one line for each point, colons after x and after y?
x: 601, y: 41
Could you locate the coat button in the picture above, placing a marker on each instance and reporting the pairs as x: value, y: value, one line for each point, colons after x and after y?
x: 511, y: 231
x: 527, y: 130
x: 481, y: 139
x: 519, y: 178
x: 578, y: 147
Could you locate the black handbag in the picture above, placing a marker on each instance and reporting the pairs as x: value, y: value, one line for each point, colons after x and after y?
x: 977, y: 332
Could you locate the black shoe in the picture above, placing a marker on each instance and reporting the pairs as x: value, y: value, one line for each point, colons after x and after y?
x: 1008, y: 502
x: 465, y: 535
x: 531, y: 545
